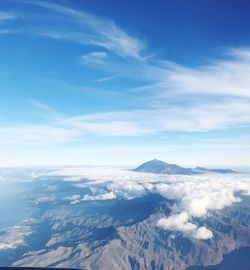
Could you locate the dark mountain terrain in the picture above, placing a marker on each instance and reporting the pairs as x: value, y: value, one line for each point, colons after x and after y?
x: 202, y: 169
x: 161, y: 167
x: 121, y: 234
x: 117, y: 233
x: 158, y: 166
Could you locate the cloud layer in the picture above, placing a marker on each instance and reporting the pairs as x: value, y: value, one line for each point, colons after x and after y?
x: 195, y: 196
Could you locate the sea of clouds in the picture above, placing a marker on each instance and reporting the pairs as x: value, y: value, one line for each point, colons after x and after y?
x: 195, y: 195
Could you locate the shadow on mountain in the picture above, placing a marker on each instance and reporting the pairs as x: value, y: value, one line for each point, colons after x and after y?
x: 236, y: 260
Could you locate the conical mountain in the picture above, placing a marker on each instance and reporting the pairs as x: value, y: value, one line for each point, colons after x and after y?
x: 161, y: 167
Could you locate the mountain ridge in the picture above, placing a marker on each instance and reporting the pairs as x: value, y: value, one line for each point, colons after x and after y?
x: 160, y: 167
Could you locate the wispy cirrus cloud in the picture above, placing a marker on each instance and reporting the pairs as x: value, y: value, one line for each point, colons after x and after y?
x: 5, y: 16
x: 131, y: 123
x: 44, y: 109
x: 30, y: 134
x: 222, y: 77
x: 168, y: 97
x: 94, y: 58
x: 226, y: 77
x: 190, y: 118
x: 109, y: 78
x: 92, y: 30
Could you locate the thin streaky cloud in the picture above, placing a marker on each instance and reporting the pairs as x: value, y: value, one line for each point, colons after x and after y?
x: 104, y: 79
x: 155, y: 97
x: 195, y: 118
x: 222, y: 77
x: 52, y: 113
x: 107, y: 34
x: 127, y: 123
x: 5, y: 16
x: 94, y: 58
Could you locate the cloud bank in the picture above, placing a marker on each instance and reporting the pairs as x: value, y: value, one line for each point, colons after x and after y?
x: 195, y: 196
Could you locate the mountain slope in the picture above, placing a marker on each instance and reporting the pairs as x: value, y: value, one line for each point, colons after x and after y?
x: 161, y: 167
x: 135, y: 245
x: 202, y: 169
x: 158, y: 166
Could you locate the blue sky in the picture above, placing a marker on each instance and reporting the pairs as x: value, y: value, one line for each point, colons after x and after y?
x: 122, y: 82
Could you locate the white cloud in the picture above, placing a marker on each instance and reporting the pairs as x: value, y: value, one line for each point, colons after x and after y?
x: 109, y: 127
x: 129, y: 191
x: 45, y: 109
x: 72, y: 198
x: 100, y: 197
x: 194, y: 118
x: 189, y: 118
x: 196, y: 196
x: 109, y: 78
x: 176, y: 98
x: 44, y: 199
x: 92, y: 30
x: 222, y: 77
x: 179, y: 222
x: 199, y: 195
x: 51, y: 187
x: 38, y: 134
x: 7, y: 16
x: 94, y: 58
x: 203, y: 233
x: 103, y: 174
